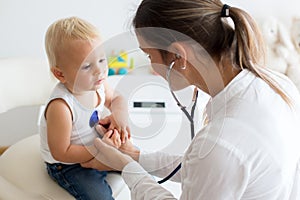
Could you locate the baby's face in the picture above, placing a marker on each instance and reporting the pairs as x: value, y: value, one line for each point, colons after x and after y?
x: 84, y: 65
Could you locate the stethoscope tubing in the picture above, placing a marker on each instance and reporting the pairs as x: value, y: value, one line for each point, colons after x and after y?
x: 183, y: 108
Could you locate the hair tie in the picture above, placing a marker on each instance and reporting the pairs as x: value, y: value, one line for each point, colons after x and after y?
x: 225, y: 10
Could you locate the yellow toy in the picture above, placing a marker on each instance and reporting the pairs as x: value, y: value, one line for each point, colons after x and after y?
x: 119, y: 64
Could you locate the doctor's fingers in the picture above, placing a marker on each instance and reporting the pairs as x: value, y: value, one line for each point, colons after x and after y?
x: 110, y: 156
x: 100, y: 130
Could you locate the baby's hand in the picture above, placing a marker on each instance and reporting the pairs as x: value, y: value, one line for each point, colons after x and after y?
x: 109, y: 123
x: 125, y: 134
x: 112, y: 137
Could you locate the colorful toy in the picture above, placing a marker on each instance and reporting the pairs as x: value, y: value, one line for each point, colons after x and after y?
x: 118, y: 64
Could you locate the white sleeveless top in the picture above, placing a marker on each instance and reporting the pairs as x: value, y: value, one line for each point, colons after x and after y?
x: 82, y: 133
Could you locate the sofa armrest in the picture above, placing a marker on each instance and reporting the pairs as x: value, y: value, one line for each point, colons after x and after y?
x: 22, y: 169
x: 10, y: 191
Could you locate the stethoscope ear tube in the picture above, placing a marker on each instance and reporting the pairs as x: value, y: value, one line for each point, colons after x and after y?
x: 183, y: 108
x: 190, y: 117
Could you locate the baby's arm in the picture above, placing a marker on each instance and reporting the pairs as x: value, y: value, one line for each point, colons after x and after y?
x: 119, y: 109
x: 59, y: 128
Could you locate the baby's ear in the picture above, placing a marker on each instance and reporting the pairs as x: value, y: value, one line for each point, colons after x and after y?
x: 58, y: 74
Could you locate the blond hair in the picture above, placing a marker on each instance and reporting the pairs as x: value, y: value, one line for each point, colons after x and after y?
x: 64, y: 30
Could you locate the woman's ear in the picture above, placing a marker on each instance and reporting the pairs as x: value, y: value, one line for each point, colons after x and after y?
x: 179, y: 51
x: 58, y: 74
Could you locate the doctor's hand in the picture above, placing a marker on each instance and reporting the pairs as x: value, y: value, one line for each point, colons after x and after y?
x: 108, y: 156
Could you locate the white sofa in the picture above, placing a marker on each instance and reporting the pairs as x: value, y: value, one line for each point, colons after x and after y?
x: 27, y: 82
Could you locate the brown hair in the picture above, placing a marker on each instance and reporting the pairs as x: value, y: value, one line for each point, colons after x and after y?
x: 201, y: 20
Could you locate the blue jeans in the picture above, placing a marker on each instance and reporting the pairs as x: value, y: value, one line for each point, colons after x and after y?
x: 82, y: 183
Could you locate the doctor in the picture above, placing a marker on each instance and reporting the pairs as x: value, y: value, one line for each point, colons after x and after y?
x: 249, y: 148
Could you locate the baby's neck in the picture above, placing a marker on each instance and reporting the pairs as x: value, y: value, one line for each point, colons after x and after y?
x: 88, y: 99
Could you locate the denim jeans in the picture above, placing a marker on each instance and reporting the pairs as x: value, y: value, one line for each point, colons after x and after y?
x: 82, y: 183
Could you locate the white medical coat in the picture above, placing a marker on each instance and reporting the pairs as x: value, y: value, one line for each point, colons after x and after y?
x: 249, y: 149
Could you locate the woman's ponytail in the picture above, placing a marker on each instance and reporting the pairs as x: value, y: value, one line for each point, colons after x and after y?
x: 250, y: 48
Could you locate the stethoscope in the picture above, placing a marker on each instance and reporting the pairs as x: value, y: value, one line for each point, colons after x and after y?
x: 183, y: 108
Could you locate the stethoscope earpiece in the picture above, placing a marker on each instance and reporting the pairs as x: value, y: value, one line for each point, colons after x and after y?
x: 177, y: 56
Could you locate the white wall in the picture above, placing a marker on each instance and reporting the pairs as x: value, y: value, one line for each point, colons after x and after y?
x: 282, y: 9
x: 23, y: 23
